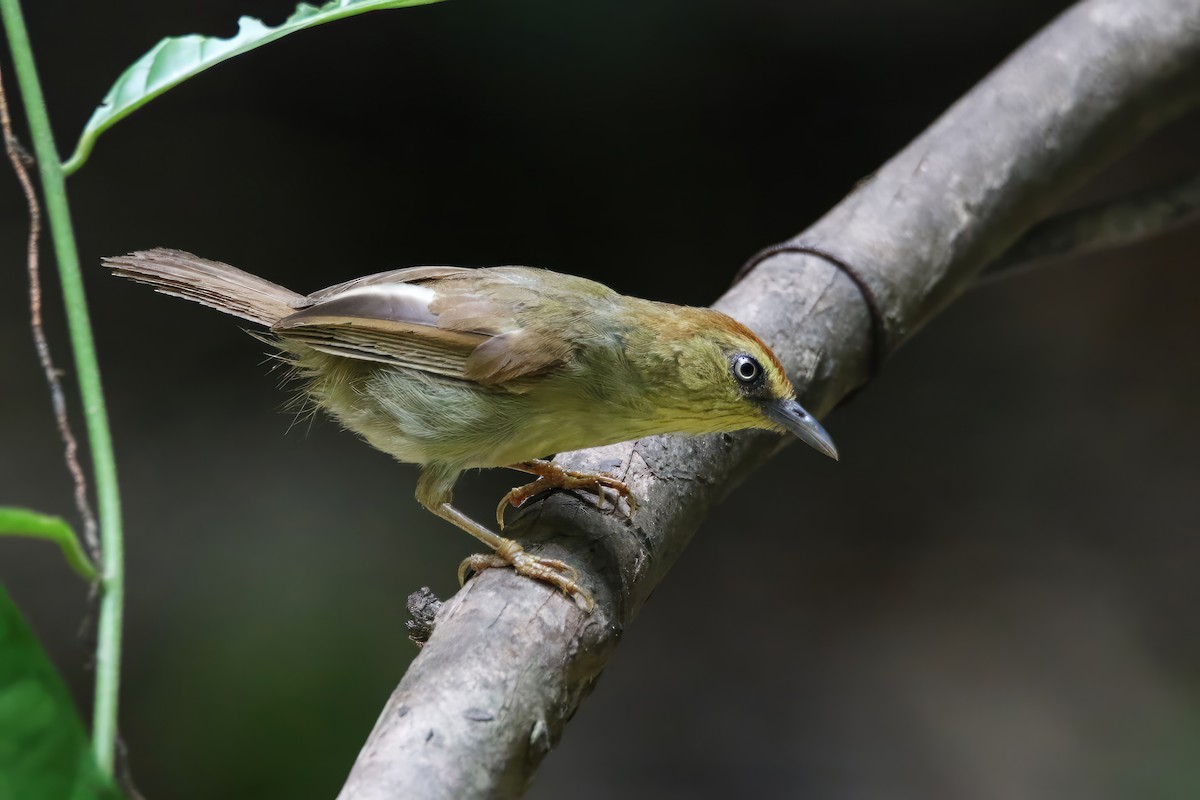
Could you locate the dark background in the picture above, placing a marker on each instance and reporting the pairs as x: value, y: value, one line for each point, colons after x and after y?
x: 993, y: 595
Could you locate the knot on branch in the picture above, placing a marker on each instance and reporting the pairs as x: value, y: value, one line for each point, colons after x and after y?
x: 424, y: 606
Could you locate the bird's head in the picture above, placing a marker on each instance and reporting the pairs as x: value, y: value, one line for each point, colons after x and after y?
x: 726, y: 379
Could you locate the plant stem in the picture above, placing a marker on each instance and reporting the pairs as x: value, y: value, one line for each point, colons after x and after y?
x: 108, y: 647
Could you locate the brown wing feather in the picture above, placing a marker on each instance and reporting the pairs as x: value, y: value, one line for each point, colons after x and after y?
x: 411, y: 318
x: 513, y: 355
x: 472, y: 324
x: 527, y: 311
x: 409, y: 349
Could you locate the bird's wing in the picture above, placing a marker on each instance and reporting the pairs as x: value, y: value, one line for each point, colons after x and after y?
x: 469, y: 324
x: 405, y: 275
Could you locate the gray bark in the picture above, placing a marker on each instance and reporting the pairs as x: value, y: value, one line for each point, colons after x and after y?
x: 509, y: 661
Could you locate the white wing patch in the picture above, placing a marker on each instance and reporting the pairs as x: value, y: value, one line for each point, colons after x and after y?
x: 386, y: 302
x: 413, y: 290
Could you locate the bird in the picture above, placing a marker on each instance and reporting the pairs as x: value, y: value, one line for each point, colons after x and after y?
x: 454, y: 368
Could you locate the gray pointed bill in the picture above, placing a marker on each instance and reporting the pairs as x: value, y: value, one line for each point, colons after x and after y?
x: 791, y: 416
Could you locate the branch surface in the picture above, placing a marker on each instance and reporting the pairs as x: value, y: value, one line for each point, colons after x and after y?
x: 509, y: 661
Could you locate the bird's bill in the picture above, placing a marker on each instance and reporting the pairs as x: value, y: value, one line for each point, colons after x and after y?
x: 792, y: 417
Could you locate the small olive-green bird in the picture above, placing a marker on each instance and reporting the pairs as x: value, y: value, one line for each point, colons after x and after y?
x: 453, y: 368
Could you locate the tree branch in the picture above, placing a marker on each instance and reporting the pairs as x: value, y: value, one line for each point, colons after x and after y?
x: 1123, y: 221
x: 509, y: 662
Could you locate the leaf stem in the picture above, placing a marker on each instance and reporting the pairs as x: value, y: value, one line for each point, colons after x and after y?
x: 23, y: 522
x: 108, y: 647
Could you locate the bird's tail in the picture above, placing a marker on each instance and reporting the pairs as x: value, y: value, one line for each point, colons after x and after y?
x: 209, y: 283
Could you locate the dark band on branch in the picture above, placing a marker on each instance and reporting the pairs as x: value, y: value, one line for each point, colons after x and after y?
x: 879, y: 343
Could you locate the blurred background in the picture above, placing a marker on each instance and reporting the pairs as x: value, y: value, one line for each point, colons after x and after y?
x: 993, y: 595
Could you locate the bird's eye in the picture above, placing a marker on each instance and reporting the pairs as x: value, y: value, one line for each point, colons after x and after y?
x: 746, y: 369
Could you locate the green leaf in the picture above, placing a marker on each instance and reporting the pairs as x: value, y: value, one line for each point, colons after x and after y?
x: 44, y: 752
x: 23, y: 522
x: 177, y: 58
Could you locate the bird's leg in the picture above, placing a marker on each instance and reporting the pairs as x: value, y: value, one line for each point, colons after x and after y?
x: 434, y: 493
x: 551, y: 476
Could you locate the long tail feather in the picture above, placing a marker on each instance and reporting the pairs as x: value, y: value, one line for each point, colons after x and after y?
x: 209, y: 283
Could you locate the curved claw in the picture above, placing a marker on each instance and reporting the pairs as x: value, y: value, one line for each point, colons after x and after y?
x: 551, y: 477
x: 558, y: 574
x: 518, y: 495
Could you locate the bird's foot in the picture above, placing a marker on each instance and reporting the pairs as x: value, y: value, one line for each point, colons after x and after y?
x: 552, y: 476
x: 558, y: 574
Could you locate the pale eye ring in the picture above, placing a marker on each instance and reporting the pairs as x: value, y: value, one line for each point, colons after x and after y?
x: 746, y: 369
